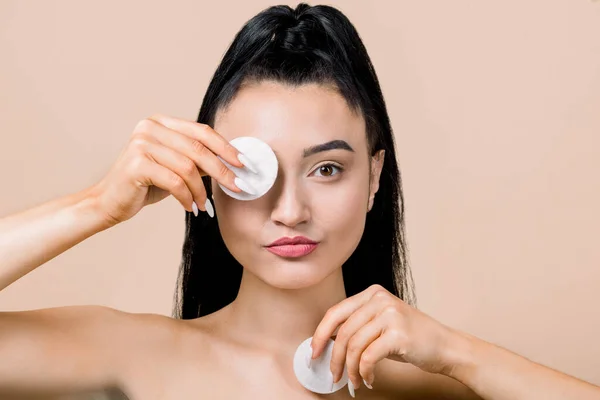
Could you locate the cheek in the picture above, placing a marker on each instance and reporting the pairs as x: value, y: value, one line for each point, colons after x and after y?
x: 238, y: 222
x: 341, y: 209
x: 341, y: 215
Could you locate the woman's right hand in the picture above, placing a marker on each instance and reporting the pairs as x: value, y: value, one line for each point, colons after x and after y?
x: 166, y: 155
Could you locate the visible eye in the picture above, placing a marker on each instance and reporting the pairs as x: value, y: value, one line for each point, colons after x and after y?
x: 327, y: 170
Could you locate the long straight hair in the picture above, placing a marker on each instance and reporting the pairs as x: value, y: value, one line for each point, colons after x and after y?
x: 308, y: 44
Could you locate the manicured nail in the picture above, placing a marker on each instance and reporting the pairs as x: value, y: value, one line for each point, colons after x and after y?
x: 332, y: 382
x: 195, y: 208
x: 244, y: 160
x: 243, y: 185
x: 351, y: 388
x: 209, y: 208
x: 367, y: 385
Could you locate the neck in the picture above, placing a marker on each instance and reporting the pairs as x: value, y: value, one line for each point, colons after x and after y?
x: 278, y: 320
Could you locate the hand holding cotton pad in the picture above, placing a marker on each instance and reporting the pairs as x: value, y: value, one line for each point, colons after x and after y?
x: 263, y: 159
x: 317, y: 378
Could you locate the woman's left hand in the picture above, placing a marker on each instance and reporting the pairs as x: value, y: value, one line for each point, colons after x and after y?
x: 373, y: 325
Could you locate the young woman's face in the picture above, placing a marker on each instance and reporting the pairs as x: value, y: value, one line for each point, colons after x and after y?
x: 323, y: 196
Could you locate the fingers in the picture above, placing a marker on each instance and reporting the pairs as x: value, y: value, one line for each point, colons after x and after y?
x: 336, y: 315
x: 357, y: 346
x: 347, y: 340
x: 168, y: 180
x: 376, y: 350
x: 184, y: 167
x: 368, y: 346
x: 198, y: 150
x: 205, y: 135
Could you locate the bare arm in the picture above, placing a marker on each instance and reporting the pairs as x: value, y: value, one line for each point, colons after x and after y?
x: 62, y: 350
x: 164, y: 156
x: 497, y: 373
x: 35, y: 236
x: 83, y: 348
x: 399, y: 332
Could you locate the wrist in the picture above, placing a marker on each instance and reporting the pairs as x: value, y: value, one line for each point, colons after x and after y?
x: 461, y: 356
x: 90, y: 206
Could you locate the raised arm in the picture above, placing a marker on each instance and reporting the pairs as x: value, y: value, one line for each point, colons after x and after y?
x: 81, y: 348
x: 35, y: 236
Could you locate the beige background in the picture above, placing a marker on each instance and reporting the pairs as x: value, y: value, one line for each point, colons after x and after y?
x: 496, y: 109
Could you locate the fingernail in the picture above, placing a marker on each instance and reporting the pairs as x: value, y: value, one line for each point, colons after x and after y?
x: 243, y: 185
x: 194, y: 208
x: 209, y: 208
x: 244, y: 160
x: 367, y: 385
x: 332, y: 382
x: 351, y: 388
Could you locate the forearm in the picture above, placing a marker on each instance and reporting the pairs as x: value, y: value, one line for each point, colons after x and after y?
x: 35, y: 236
x: 497, y: 373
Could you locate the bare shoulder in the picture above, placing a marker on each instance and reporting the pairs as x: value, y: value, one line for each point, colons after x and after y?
x: 157, y: 335
x: 59, y: 315
x: 64, y: 349
x: 401, y: 380
x: 94, y: 325
x: 86, y: 349
x: 166, y: 353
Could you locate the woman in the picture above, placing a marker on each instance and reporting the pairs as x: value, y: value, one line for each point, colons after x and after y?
x: 301, y: 81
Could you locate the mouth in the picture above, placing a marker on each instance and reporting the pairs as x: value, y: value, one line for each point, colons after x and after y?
x: 295, y: 247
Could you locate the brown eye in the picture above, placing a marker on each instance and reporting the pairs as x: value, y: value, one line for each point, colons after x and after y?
x: 328, y: 170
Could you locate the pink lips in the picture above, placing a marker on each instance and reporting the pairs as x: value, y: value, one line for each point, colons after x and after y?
x: 297, y: 246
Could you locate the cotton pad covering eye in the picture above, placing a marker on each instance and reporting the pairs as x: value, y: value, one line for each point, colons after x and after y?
x: 262, y: 158
x: 318, y: 377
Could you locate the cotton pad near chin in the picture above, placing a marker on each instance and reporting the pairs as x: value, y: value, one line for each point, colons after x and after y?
x: 318, y: 377
x: 262, y: 158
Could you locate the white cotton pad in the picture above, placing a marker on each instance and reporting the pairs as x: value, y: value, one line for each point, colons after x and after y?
x: 262, y: 158
x: 318, y: 377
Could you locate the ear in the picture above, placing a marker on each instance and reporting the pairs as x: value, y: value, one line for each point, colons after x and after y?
x: 376, y: 167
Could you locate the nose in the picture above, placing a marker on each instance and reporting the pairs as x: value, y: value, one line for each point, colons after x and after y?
x: 290, y: 207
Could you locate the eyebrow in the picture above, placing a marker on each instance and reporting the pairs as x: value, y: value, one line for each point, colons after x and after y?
x: 334, y: 144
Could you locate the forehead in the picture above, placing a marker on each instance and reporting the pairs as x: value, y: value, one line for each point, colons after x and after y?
x: 284, y: 116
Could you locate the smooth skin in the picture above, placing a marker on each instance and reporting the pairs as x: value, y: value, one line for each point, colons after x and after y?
x: 400, y: 351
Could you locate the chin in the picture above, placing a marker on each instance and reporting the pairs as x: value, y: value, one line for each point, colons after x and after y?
x: 292, y: 275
